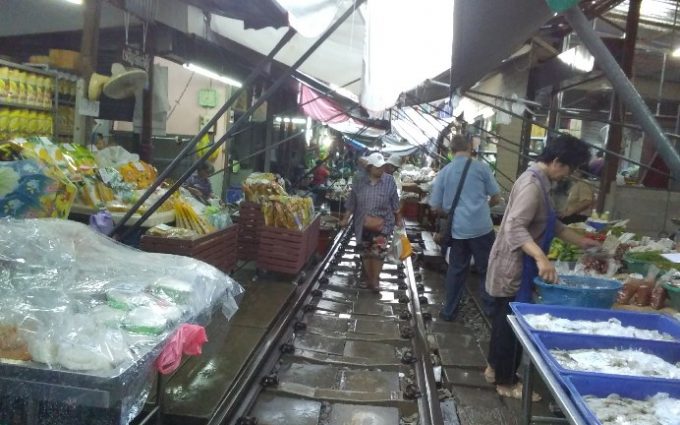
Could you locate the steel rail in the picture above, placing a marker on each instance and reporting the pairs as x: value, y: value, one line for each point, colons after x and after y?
x: 429, y: 403
x: 245, y: 388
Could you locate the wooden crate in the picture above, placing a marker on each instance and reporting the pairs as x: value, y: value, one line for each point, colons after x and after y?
x: 287, y: 251
x: 250, y: 222
x: 217, y: 248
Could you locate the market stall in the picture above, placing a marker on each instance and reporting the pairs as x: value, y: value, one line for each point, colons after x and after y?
x: 86, y: 322
x: 604, y: 339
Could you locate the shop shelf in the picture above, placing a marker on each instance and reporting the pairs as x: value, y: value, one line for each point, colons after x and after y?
x: 668, y: 351
x: 599, y: 386
x: 4, y: 104
x: 649, y: 321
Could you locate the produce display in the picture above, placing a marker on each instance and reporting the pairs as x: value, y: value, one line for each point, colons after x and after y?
x: 652, y: 257
x: 412, y: 174
x: 32, y: 186
x: 615, y: 410
x: 259, y: 187
x: 163, y: 230
x: 279, y: 209
x: 187, y: 217
x: 611, y: 327
x: 616, y: 362
x: 289, y: 212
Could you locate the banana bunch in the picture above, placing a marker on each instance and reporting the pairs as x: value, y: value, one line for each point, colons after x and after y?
x: 563, y: 251
x: 186, y: 217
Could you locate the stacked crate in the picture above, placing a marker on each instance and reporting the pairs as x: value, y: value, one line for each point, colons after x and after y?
x: 250, y: 222
x: 218, y: 248
x: 287, y: 251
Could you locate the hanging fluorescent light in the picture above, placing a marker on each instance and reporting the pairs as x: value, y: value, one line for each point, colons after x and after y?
x: 74, y: 1
x: 210, y: 74
x: 299, y: 121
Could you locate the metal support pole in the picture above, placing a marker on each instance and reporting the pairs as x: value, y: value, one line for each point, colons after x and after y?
x: 624, y: 88
x: 146, y: 135
x: 191, y: 144
x: 243, y: 119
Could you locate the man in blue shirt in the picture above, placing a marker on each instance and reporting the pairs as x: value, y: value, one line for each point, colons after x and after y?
x: 472, y: 229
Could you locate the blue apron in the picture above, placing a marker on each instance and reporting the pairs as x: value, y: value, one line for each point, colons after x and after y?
x: 529, y: 267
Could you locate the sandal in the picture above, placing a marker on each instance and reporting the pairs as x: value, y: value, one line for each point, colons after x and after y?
x: 515, y: 391
x: 489, y: 375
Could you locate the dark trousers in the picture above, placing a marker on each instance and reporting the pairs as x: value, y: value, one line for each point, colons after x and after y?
x: 459, y: 265
x: 505, y: 351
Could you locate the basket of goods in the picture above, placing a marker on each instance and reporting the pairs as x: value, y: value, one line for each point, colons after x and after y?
x: 579, y: 291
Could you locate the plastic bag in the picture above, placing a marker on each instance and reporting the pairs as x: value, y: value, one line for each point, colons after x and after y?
x: 73, y: 299
x: 189, y: 340
x: 401, y: 247
x: 102, y: 222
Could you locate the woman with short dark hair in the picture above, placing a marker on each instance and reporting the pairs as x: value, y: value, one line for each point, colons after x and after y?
x: 519, y: 253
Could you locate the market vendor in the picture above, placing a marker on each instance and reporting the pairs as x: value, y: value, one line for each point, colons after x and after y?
x: 519, y: 253
x: 199, y: 183
x: 375, y: 206
x: 320, y: 174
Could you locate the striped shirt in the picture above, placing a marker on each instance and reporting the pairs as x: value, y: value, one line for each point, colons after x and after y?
x: 379, y: 199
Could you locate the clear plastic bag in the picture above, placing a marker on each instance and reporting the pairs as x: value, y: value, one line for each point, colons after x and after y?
x: 73, y: 299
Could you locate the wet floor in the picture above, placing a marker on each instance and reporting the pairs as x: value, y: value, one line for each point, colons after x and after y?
x: 345, y: 366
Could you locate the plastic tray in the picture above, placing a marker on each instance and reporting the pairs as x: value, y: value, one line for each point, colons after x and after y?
x: 669, y: 351
x: 647, y: 321
x: 579, y: 386
x: 579, y: 291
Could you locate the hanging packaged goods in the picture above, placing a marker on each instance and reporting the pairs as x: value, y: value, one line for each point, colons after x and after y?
x: 278, y: 208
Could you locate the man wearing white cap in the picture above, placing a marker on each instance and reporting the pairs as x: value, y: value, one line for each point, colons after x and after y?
x: 375, y: 206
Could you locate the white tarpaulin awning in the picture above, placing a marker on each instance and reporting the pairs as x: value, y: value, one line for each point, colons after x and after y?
x: 391, y: 46
x: 417, y: 128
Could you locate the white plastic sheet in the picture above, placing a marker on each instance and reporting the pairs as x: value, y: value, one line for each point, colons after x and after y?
x: 72, y: 299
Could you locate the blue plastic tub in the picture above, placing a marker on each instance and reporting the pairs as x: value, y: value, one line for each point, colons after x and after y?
x: 598, y: 386
x: 545, y: 341
x: 579, y: 291
x: 649, y: 321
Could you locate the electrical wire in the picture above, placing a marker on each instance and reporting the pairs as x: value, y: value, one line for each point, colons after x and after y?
x: 181, y: 96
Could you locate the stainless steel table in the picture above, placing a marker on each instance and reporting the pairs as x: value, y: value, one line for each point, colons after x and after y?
x: 535, y: 361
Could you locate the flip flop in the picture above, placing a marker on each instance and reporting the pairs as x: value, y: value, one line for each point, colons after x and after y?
x: 489, y: 375
x: 515, y: 391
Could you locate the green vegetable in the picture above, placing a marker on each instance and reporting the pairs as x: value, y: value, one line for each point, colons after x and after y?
x: 652, y: 257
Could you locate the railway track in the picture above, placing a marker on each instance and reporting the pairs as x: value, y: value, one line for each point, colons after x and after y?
x: 343, y: 355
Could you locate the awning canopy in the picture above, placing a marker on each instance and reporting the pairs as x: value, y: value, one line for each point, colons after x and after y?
x: 406, y: 35
x: 321, y: 108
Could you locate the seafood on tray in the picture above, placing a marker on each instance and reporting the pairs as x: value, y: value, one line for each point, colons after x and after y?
x: 616, y: 362
x: 616, y: 410
x: 611, y: 327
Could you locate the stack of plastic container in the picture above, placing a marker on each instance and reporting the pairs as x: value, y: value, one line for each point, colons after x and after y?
x: 580, y: 384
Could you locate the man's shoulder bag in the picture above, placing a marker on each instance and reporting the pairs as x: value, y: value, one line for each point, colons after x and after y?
x: 444, y: 235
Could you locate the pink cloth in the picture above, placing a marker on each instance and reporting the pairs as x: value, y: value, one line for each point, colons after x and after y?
x: 189, y: 340
x: 319, y: 107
